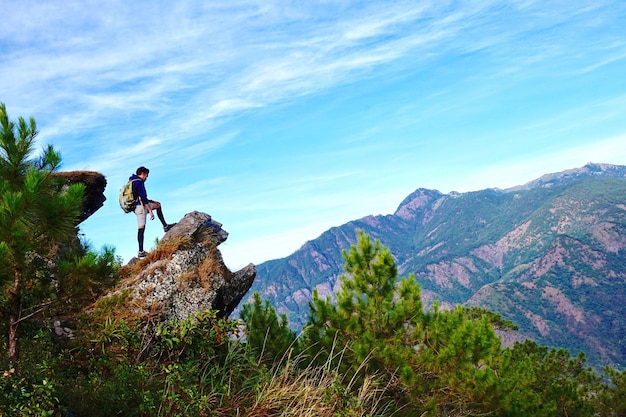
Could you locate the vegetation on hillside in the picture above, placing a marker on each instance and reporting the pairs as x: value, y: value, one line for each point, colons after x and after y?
x: 502, y: 250
x: 374, y: 352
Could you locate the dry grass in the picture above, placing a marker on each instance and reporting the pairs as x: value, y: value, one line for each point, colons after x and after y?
x: 211, y: 266
x: 164, y: 250
x: 204, y: 274
x: 318, y: 390
x: 187, y: 278
x: 315, y: 391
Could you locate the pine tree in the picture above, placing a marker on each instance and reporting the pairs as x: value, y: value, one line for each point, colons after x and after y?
x: 266, y: 334
x: 542, y: 381
x: 376, y: 321
x: 38, y: 212
x: 457, y: 357
x: 434, y: 363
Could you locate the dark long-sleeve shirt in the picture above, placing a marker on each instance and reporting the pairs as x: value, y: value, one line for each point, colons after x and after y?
x: 139, y: 189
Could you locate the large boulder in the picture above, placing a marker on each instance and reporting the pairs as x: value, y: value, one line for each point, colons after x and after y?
x: 186, y: 273
x: 195, y: 224
x: 95, y: 183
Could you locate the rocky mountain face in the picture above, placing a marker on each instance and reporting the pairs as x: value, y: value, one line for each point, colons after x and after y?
x: 548, y: 255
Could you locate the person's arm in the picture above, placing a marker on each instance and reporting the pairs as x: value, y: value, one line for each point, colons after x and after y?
x: 147, y: 206
x: 142, y: 196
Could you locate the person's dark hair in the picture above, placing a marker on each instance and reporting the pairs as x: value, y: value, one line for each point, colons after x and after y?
x: 142, y: 170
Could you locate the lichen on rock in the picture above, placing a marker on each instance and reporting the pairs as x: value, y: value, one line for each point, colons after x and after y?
x: 186, y: 273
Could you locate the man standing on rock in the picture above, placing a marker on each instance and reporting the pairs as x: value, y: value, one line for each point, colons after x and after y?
x: 143, y: 205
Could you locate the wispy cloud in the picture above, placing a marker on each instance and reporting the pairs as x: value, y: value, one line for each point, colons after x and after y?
x: 283, y: 106
x: 139, y: 57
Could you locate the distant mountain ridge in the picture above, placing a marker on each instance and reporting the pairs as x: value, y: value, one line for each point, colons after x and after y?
x: 590, y: 170
x: 548, y: 255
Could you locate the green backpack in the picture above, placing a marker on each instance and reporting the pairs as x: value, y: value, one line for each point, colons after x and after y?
x: 128, y: 202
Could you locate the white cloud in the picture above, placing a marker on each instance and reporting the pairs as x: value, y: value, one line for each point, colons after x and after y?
x: 220, y: 97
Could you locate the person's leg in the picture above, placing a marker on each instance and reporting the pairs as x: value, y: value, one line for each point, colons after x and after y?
x: 156, y: 206
x: 140, y: 212
x: 140, y: 236
x: 160, y: 216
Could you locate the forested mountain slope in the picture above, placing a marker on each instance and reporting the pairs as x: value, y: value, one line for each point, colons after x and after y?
x: 548, y: 255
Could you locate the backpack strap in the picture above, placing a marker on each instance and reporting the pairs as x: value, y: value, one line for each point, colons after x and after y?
x: 132, y: 181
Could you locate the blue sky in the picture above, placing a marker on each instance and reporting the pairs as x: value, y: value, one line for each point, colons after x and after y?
x: 282, y: 119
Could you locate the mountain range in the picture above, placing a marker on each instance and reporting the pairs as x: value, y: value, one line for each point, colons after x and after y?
x: 548, y: 255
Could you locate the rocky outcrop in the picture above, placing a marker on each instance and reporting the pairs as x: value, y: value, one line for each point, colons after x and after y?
x: 186, y: 273
x: 198, y: 226
x: 95, y: 183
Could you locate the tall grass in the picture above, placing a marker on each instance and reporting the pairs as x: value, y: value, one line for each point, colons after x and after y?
x: 315, y: 391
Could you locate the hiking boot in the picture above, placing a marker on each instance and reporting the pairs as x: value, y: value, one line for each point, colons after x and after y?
x: 168, y: 227
x: 142, y: 254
